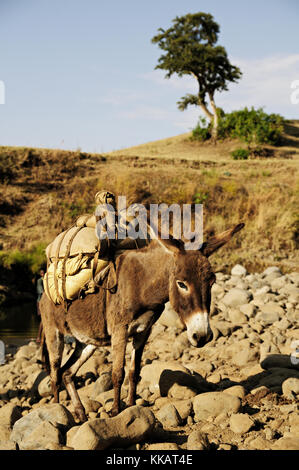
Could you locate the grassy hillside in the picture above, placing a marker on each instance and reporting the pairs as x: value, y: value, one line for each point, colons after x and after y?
x: 42, y: 191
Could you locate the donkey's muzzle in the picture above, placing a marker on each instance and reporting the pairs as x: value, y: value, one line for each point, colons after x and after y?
x: 198, y: 329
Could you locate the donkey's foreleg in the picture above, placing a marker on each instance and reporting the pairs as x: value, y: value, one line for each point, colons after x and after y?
x: 118, y: 343
x: 135, y: 364
x: 68, y: 375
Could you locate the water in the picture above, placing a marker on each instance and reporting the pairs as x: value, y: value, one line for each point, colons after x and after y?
x: 19, y: 324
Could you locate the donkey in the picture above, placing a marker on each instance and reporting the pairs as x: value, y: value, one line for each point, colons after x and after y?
x: 146, y: 279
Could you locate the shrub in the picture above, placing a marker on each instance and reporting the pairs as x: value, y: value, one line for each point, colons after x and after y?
x: 7, y: 166
x: 202, y: 131
x: 240, y: 154
x: 252, y: 126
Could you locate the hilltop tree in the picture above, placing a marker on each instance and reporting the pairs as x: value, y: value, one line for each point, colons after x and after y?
x: 190, y: 49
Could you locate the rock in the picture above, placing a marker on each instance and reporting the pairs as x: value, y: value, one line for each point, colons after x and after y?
x: 286, y: 443
x: 44, y: 387
x: 56, y: 414
x: 259, y: 443
x: 169, y: 416
x: 129, y: 427
x: 248, y: 310
x: 238, y: 270
x: 44, y: 435
x: 170, y: 318
x: 197, y: 441
x: 5, y: 431
x: 9, y: 414
x: 268, y: 318
x: 275, y: 379
x: 183, y: 407
x: 224, y: 327
x: 236, y: 317
x: 161, y: 376
x: 102, y: 384
x: 278, y: 283
x: 290, y: 388
x: 272, y: 307
x: 181, y: 392
x: 271, y: 270
x: 237, y: 391
x: 8, y: 445
x: 180, y: 345
x: 236, y: 297
x: 240, y: 423
x: 27, y: 351
x: 214, y: 403
x: 163, y: 446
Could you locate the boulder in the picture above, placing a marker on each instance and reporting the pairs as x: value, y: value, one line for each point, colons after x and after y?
x: 238, y: 270
x: 160, y: 377
x: 102, y: 384
x: 290, y: 387
x: 240, y: 423
x: 286, y: 443
x: 235, y: 297
x: 129, y: 427
x: 9, y: 414
x: 197, y: 441
x: 213, y: 404
x: 57, y: 415
x: 169, y: 416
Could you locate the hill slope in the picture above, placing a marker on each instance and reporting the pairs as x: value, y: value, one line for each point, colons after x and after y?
x: 43, y: 191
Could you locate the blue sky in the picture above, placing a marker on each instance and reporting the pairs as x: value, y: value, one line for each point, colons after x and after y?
x: 80, y: 74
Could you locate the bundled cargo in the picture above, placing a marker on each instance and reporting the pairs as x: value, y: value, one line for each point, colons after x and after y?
x: 78, y: 255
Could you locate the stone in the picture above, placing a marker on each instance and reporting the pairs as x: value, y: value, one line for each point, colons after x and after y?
x: 9, y: 414
x: 236, y: 317
x: 238, y: 270
x: 290, y: 388
x: 169, y: 416
x: 248, y: 310
x: 8, y: 445
x: 44, y: 387
x: 259, y: 443
x: 286, y: 443
x: 5, y: 431
x: 237, y: 391
x: 235, y: 297
x: 129, y: 427
x: 160, y: 376
x: 213, y: 404
x: 271, y: 270
x: 183, y: 407
x: 170, y: 318
x: 181, y: 392
x: 272, y: 307
x: 58, y: 415
x: 42, y: 436
x: 197, y: 441
x: 102, y: 384
x: 240, y: 423
x: 163, y: 446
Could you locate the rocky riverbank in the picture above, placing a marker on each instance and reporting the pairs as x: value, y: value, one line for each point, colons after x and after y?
x: 240, y: 391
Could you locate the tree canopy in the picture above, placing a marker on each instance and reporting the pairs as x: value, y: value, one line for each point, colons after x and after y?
x: 190, y: 49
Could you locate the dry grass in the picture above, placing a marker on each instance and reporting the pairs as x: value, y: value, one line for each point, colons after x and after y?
x: 51, y: 188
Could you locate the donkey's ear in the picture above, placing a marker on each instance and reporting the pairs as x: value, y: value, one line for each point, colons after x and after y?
x: 171, y: 245
x: 216, y: 242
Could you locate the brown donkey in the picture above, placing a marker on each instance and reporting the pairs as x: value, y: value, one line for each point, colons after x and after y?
x: 146, y: 280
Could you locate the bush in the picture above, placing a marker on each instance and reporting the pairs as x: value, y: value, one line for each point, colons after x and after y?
x: 252, y: 126
x: 202, y: 131
x: 7, y: 166
x: 240, y: 154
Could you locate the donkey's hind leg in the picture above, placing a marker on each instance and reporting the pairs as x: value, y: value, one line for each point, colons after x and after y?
x: 69, y: 369
x: 55, y: 345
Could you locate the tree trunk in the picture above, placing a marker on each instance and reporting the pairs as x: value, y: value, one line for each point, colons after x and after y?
x: 215, y: 119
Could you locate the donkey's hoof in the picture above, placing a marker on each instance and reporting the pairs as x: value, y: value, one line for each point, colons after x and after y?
x: 80, y: 415
x: 113, y: 412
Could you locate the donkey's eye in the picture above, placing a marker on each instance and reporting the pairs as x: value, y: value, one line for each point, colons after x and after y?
x: 182, y: 285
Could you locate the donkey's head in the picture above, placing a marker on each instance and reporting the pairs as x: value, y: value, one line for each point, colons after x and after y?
x: 190, y: 284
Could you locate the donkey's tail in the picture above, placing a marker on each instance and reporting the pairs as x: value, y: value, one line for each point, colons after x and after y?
x: 44, y: 353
